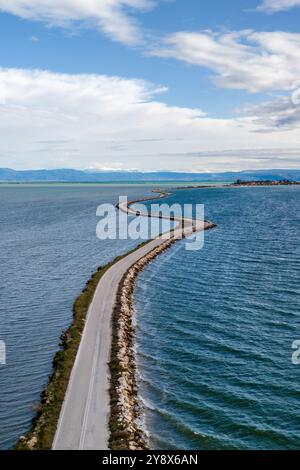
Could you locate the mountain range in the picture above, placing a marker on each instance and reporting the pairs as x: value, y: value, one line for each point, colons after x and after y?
x: 86, y: 176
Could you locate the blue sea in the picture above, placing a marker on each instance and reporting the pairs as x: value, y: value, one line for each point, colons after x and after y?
x: 214, y: 327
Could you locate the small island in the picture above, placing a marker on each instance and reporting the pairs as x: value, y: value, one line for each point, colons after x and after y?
x: 265, y: 183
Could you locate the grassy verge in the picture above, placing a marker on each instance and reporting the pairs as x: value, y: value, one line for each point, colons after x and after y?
x: 44, y: 425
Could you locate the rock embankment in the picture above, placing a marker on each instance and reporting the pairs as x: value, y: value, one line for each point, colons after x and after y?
x: 126, y: 429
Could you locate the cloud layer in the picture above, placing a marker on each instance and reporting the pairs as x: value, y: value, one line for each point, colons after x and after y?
x: 280, y: 114
x: 111, y: 122
x: 93, y: 121
x: 246, y: 60
x: 273, y: 6
x: 111, y: 16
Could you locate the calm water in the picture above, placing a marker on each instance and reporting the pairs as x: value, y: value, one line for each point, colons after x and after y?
x: 215, y: 327
x: 48, y: 250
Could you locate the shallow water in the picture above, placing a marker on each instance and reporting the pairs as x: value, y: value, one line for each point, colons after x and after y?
x: 215, y: 327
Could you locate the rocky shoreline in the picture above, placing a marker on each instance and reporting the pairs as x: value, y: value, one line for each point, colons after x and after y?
x: 125, y: 427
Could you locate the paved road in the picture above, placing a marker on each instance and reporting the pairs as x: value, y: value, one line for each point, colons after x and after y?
x: 83, y: 422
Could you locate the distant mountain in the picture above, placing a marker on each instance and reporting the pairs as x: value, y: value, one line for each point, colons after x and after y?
x: 79, y: 176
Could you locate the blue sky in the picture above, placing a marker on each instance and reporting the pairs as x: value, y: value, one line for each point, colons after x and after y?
x: 143, y: 84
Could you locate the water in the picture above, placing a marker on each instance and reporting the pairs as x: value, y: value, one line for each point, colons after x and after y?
x: 48, y: 250
x: 215, y: 328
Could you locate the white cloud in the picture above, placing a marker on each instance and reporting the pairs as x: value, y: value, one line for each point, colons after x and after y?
x: 92, y: 121
x: 109, y: 15
x: 247, y: 60
x: 273, y: 6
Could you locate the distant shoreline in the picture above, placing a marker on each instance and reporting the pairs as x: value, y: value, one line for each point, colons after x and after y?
x: 171, y: 185
x: 111, y: 183
x: 168, y: 183
x: 73, y: 176
x: 240, y: 183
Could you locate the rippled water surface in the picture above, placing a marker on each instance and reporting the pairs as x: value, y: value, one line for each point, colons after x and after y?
x: 48, y: 250
x: 215, y: 327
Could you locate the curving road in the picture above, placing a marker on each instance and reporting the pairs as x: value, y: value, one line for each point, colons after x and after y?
x: 83, y: 422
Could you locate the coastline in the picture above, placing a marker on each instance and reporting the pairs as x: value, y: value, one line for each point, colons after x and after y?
x: 124, y: 408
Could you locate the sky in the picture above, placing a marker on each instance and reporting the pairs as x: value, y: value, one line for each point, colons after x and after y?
x: 176, y: 85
